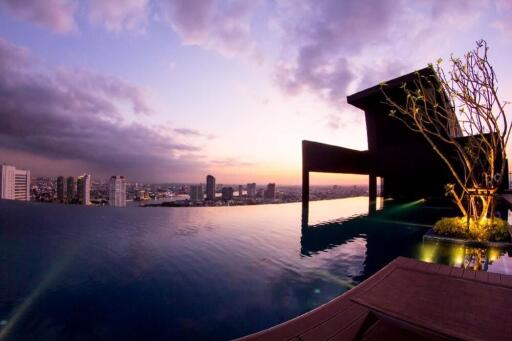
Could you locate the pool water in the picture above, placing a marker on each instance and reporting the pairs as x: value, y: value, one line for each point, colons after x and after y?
x: 216, y: 273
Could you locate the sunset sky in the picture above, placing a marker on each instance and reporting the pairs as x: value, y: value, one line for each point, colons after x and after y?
x: 171, y: 90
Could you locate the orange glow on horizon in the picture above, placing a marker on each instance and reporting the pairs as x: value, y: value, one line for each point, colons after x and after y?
x: 287, y: 176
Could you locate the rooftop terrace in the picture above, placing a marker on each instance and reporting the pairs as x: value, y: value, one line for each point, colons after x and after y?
x: 406, y: 300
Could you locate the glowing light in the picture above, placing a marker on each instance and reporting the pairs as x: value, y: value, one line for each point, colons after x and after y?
x: 412, y: 203
x: 457, y: 256
x: 493, y: 255
x: 428, y: 252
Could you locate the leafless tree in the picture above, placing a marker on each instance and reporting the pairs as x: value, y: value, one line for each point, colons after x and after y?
x: 460, y: 107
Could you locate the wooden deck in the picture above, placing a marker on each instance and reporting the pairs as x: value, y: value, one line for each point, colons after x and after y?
x: 460, y: 291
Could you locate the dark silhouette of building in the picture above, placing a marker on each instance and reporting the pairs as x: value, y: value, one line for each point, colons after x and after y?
x: 270, y: 192
x: 251, y: 190
x: 408, y: 166
x: 71, y: 189
x: 227, y: 193
x: 61, y: 189
x: 210, y: 187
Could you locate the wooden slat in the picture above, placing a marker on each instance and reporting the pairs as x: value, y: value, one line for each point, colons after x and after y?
x: 506, y: 280
x: 403, y: 261
x: 417, y: 298
x: 424, y: 266
x: 457, y: 272
x: 494, y: 278
x: 469, y: 274
x: 300, y: 324
x: 417, y: 265
x: 348, y: 333
x: 444, y: 269
x: 482, y: 276
x: 434, y: 268
x: 336, y: 324
x: 386, y: 331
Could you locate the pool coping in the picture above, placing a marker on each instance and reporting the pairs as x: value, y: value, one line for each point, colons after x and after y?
x: 430, y: 235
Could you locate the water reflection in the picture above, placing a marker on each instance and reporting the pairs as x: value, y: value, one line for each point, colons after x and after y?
x: 476, y: 258
x: 390, y: 231
x: 200, y: 272
x: 395, y: 229
x: 385, y: 210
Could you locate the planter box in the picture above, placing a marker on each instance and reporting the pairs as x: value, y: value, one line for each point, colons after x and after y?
x: 430, y: 235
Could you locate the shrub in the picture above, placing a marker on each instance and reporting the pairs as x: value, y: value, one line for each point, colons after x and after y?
x: 457, y: 227
x: 450, y: 227
x: 501, y: 230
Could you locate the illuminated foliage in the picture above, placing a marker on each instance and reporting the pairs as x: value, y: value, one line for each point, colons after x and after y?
x: 482, y: 230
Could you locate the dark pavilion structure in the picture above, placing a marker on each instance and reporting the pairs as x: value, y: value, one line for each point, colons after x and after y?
x: 407, y: 165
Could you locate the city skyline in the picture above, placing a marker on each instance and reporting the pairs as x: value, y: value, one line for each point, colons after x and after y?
x: 17, y: 184
x: 166, y: 91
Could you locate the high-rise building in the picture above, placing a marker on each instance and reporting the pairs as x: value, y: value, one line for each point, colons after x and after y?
x: 210, y: 187
x: 260, y: 193
x: 14, y: 183
x: 227, y: 193
x: 61, y: 189
x: 117, y: 191
x: 270, y: 192
x: 240, y: 191
x: 251, y: 190
x: 71, y: 188
x: 83, y: 189
x: 196, y: 193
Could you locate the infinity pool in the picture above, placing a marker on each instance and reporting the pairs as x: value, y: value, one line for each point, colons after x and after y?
x: 72, y: 272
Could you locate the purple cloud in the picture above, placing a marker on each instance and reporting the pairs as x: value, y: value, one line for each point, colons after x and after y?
x: 324, y: 42
x: 213, y: 24
x: 105, y: 88
x: 323, y: 36
x: 504, y: 23
x: 193, y: 133
x: 119, y: 15
x: 224, y: 27
x: 75, y: 115
x: 57, y: 15
x: 230, y: 163
x: 188, y: 132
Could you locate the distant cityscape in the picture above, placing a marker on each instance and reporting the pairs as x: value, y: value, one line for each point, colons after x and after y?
x: 17, y: 184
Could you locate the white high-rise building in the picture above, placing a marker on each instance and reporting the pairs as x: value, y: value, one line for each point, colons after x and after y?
x: 14, y: 183
x: 117, y: 191
x: 196, y: 193
x: 83, y: 188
